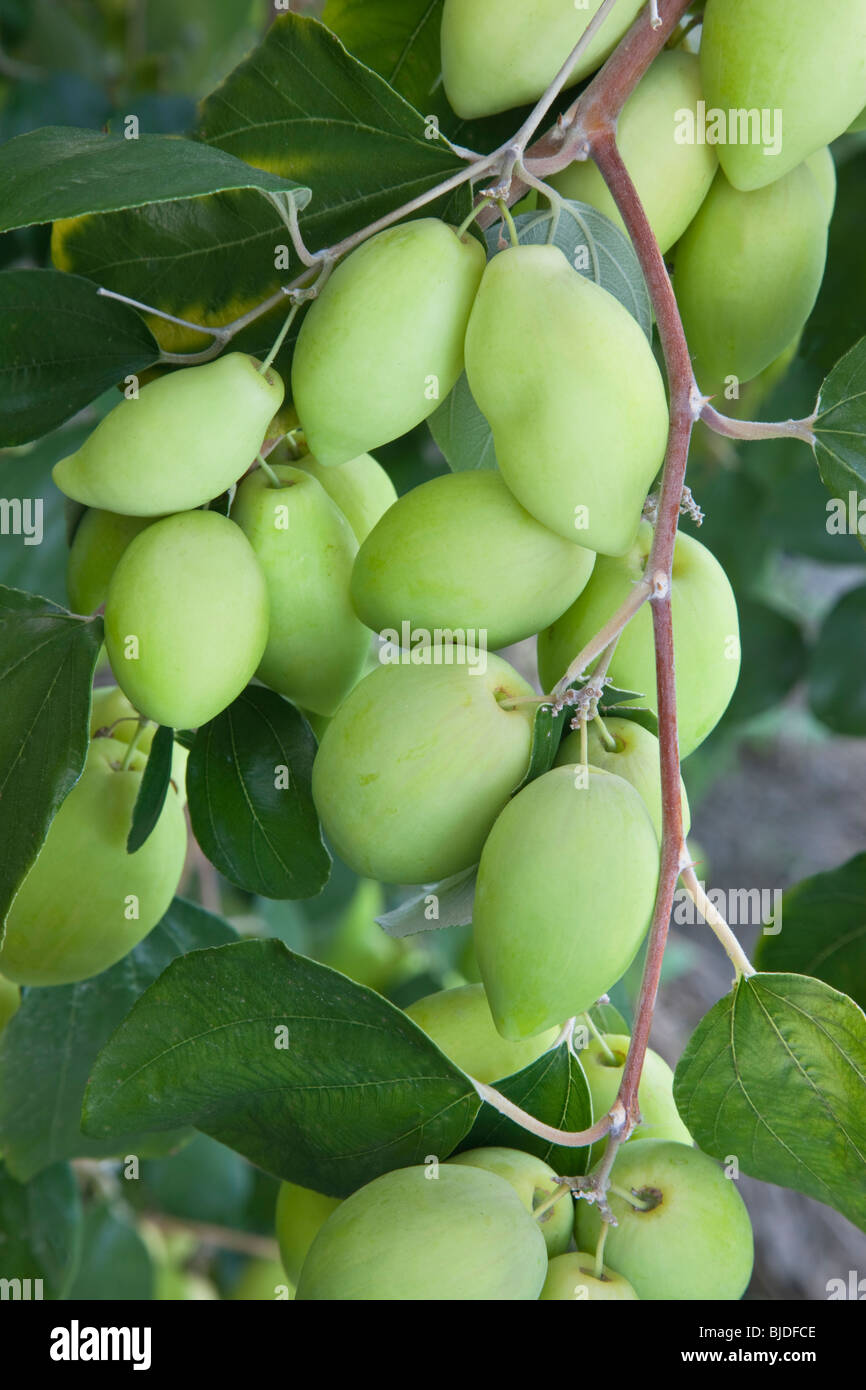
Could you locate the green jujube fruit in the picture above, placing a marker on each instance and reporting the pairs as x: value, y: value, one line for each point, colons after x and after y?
x: 85, y: 902
x: 316, y: 646
x: 416, y: 765
x: 806, y: 62
x: 747, y: 273
x: 635, y: 757
x: 671, y: 173
x: 186, y: 619
x: 557, y: 920
x: 460, y: 1023
x: 460, y: 552
x: 383, y: 343
x: 696, y: 1240
x: 603, y: 1072
x: 823, y: 168
x: 360, y: 488
x: 10, y: 1001
x: 359, y: 947
x: 99, y: 541
x: 419, y: 1234
x: 706, y: 633
x: 502, y: 53
x: 535, y: 1183
x: 572, y: 1277
x: 301, y: 1213
x: 580, y: 421
x: 185, y: 439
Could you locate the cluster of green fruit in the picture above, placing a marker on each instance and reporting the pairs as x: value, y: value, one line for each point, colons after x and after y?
x: 494, y: 1223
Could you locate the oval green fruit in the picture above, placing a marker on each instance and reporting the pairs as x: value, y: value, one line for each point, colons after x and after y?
x: 86, y: 902
x: 535, y: 1183
x: 186, y: 619
x: 706, y: 633
x: 416, y: 765
x: 565, y: 894
x: 460, y: 1023
x: 799, y: 64
x: 383, y: 343
x: 316, y: 646
x: 748, y: 272
x: 185, y: 439
x: 460, y: 552
x: 671, y: 172
x: 455, y: 1234
x: 661, y: 1119
x: 580, y: 421
x: 301, y: 1213
x: 635, y: 757
x: 823, y: 169
x: 10, y: 1001
x: 359, y: 947
x: 696, y: 1240
x: 99, y: 541
x: 572, y: 1277
x: 361, y: 489
x: 502, y: 53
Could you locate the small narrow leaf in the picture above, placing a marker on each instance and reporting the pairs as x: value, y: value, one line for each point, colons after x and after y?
x: 445, y: 904
x: 152, y: 792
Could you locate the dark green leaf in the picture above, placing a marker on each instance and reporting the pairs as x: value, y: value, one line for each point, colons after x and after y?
x: 314, y: 1078
x: 840, y: 438
x: 59, y: 172
x: 61, y: 345
x: 607, y: 1019
x: 115, y: 1262
x: 838, y: 317
x: 554, y: 1090
x: 775, y: 1075
x: 399, y: 39
x: 823, y: 930
x: 40, y: 1230
x: 774, y: 658
x: 837, y: 691
x: 248, y: 781
x: 204, y: 1182
x: 48, y: 1050
x: 152, y: 792
x: 46, y: 669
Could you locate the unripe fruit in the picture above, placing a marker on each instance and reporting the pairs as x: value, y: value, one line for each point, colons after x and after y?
x: 672, y: 176
x: 804, y: 61
x: 360, y: 488
x: 823, y: 168
x: 383, y: 343
x: 185, y: 439
x: 99, y: 541
x: 86, y: 902
x: 748, y: 271
x: 10, y: 1001
x: 694, y: 1243
x: 461, y: 1025
x: 580, y: 421
x: 359, y: 947
x: 461, y: 1235
x: 262, y: 1281
x: 502, y: 53
x: 535, y: 1183
x: 706, y: 633
x: 571, y: 1277
x: 190, y: 592
x: 110, y: 710
x: 460, y: 552
x: 565, y: 893
x: 316, y: 646
x: 300, y: 1215
x: 416, y: 765
x: 635, y: 757
x: 661, y: 1119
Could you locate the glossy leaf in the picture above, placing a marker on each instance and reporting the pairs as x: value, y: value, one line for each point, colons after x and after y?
x: 399, y: 39
x: 823, y: 930
x: 154, y: 787
x: 837, y: 692
x: 840, y: 427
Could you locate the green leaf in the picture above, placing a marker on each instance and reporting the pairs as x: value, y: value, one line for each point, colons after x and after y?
x: 305, y: 108
x: 823, y: 930
x: 62, y: 345
x: 46, y: 669
x: 152, y: 792
x: 115, y: 1262
x: 775, y: 1075
x: 316, y: 1079
x: 48, y: 1049
x: 840, y: 429
x: 398, y: 39
x: 607, y: 1019
x: 451, y: 901
x: 204, y: 1182
x: 554, y: 1090
x: 249, y: 781
x: 837, y: 692
x: 461, y: 431
x: 59, y: 172
x: 773, y: 659
x: 40, y: 1230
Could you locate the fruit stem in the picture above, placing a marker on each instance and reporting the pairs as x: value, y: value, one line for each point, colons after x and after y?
x: 280, y: 338
x: 131, y: 746
x: 568, y: 1139
x: 634, y: 1201
x: 742, y: 965
x: 584, y: 743
x: 467, y: 221
x: 598, y: 1269
x: 508, y: 220
x: 607, y: 738
x: 542, y: 1210
x: 273, y: 480
x: 599, y: 1037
